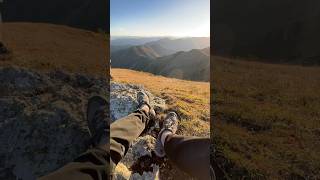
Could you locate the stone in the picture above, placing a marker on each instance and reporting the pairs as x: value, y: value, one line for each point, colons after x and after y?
x: 123, y: 101
x: 42, y: 120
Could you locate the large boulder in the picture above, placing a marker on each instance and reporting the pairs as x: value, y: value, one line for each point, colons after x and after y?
x: 42, y: 120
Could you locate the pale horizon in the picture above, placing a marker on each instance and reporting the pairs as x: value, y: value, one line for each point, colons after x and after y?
x: 172, y: 37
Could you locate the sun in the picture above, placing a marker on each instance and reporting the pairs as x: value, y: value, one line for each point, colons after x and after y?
x: 202, y: 30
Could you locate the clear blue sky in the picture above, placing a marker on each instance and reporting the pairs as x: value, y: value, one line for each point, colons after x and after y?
x: 160, y: 18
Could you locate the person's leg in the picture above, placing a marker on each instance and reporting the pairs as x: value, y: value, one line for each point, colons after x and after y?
x: 94, y: 163
x: 125, y: 130
x: 190, y: 154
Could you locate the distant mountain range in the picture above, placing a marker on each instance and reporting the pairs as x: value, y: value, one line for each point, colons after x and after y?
x: 182, y: 44
x: 184, y: 58
x: 131, y: 40
x: 84, y: 14
x: 190, y: 65
x: 168, y: 45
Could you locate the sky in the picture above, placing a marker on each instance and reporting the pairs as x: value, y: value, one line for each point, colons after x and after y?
x: 146, y: 18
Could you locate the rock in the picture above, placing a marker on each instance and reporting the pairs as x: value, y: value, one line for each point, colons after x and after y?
x: 42, y: 120
x: 142, y: 146
x: 20, y: 81
x: 123, y: 173
x: 154, y: 175
x: 60, y: 75
x: 123, y: 101
x: 83, y: 81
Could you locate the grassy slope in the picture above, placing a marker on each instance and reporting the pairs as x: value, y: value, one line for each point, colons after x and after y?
x: 190, y: 99
x: 268, y: 117
x: 47, y: 46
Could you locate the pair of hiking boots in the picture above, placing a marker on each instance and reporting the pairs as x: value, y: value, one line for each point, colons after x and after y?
x: 97, y: 117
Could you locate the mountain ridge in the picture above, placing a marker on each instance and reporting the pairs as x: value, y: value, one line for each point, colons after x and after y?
x: 183, y: 44
x: 179, y: 65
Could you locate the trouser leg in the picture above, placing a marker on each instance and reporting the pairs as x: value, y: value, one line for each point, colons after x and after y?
x: 91, y: 165
x: 94, y: 164
x: 124, y: 131
x: 190, y: 154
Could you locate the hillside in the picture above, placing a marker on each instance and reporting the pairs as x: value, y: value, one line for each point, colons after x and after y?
x: 160, y: 49
x: 190, y: 99
x: 83, y: 14
x: 114, y: 48
x: 182, y: 44
x: 266, y: 119
x: 206, y: 51
x: 135, y: 57
x: 271, y: 30
x: 47, y: 46
x: 190, y: 65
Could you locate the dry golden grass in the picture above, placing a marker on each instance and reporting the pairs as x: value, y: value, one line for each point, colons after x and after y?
x: 267, y: 118
x: 47, y: 46
x: 190, y: 99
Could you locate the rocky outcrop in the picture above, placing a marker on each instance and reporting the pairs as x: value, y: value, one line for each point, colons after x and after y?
x: 139, y: 162
x: 43, y: 124
x: 123, y: 99
x: 42, y: 120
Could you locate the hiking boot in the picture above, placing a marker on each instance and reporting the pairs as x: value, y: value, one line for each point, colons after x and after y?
x: 143, y: 99
x: 3, y: 49
x: 170, y: 123
x: 97, y: 113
